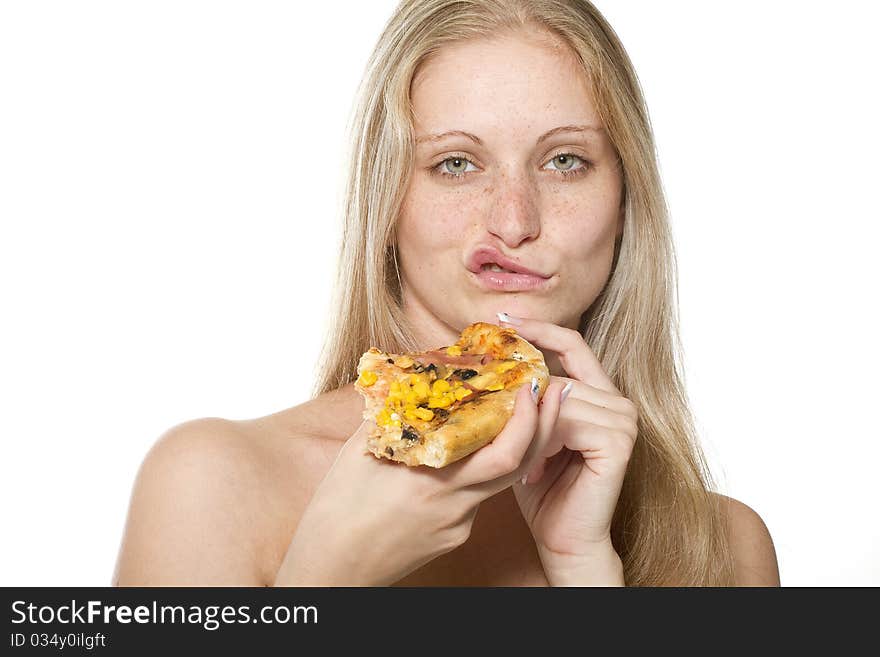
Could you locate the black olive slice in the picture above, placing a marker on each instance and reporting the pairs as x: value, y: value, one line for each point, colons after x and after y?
x: 464, y: 375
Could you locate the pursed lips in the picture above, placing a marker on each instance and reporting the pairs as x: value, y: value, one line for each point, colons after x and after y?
x: 491, y: 259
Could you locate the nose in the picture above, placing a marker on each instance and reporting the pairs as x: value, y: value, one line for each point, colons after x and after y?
x: 513, y: 216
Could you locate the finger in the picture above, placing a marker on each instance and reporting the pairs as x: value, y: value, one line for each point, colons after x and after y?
x: 530, y: 497
x: 594, y: 441
x: 551, y: 464
x: 537, y: 471
x: 579, y: 411
x: 356, y: 445
x: 577, y: 416
x: 574, y: 353
x: 548, y: 415
x: 601, y: 398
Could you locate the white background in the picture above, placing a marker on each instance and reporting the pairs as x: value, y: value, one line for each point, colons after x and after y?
x: 170, y: 177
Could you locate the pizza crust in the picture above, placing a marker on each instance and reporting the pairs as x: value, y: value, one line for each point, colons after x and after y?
x: 468, y: 424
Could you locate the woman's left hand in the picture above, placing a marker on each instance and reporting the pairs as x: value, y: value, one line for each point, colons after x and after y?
x: 572, y: 487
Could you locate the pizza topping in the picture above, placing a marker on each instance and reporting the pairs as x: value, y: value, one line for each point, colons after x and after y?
x: 505, y: 366
x: 368, y: 378
x: 465, y: 374
x: 462, y: 393
x: 432, y: 384
x: 441, y: 358
x: 410, y: 396
x: 483, y: 381
x: 420, y: 413
x: 415, y: 398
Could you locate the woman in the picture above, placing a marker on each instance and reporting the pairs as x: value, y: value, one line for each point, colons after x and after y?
x: 488, y: 131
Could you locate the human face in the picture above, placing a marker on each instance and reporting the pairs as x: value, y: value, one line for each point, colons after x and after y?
x: 546, y: 198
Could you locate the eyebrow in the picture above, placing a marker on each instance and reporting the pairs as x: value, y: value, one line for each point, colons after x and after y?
x: 477, y: 140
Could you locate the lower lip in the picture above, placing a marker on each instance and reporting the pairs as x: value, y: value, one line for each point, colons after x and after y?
x: 509, y: 282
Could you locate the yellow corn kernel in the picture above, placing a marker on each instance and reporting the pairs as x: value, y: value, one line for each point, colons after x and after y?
x: 504, y: 367
x: 461, y: 393
x: 495, y: 386
x: 483, y: 381
x: 440, y: 386
x: 411, y: 399
x: 454, y: 350
x: 368, y: 378
x: 384, y: 417
x: 439, y: 402
x: 422, y: 390
x: 394, y: 387
x: 424, y: 414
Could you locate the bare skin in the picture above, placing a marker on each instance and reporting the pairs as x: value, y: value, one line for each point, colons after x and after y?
x: 216, y: 502
x: 249, y: 503
x: 243, y: 485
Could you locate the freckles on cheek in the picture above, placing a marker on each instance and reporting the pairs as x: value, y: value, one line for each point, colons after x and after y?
x: 586, y: 220
x: 451, y: 221
x: 573, y: 225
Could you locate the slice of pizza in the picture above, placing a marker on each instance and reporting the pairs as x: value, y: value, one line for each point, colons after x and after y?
x: 436, y: 407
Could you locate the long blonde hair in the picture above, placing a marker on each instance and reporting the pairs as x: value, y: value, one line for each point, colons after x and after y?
x: 668, y: 527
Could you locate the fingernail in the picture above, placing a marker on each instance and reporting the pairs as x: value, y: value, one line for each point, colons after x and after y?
x: 524, y: 479
x: 565, y: 391
x: 504, y: 317
x: 535, y: 389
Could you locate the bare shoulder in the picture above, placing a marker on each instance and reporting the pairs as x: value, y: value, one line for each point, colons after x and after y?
x: 214, y: 500
x: 754, y: 555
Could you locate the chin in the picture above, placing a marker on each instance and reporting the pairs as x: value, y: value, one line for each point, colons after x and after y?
x: 489, y: 312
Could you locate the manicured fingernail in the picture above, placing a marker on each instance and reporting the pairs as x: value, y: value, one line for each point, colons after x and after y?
x: 504, y: 317
x: 565, y: 391
x: 535, y: 389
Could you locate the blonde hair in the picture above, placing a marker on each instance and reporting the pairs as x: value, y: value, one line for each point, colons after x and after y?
x: 668, y: 527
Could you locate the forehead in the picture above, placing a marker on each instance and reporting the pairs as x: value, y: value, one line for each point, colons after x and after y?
x: 526, y: 77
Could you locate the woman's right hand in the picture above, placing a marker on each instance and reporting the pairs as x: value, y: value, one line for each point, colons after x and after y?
x: 371, y: 522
